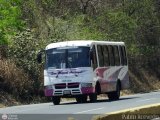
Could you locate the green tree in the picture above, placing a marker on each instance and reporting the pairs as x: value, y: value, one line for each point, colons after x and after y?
x: 10, y: 21
x: 144, y: 12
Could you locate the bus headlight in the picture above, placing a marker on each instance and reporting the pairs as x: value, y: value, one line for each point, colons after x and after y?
x: 86, y: 84
x: 49, y: 87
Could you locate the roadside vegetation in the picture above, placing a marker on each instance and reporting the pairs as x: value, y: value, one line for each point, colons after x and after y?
x: 27, y: 26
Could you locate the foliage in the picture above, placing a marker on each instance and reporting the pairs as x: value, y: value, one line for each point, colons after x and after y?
x: 78, y: 29
x: 147, y: 31
x: 23, y: 51
x: 29, y: 25
x: 10, y: 20
x: 14, y: 80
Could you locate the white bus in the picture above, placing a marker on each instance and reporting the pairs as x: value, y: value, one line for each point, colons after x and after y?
x: 85, y: 68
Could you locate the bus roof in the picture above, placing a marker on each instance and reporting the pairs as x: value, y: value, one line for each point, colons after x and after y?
x: 81, y: 43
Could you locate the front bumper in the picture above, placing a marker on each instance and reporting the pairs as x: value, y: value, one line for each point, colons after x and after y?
x: 71, y: 92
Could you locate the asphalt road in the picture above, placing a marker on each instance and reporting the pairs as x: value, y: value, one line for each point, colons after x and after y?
x: 69, y: 110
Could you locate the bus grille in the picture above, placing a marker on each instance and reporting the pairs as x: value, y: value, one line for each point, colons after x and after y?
x: 60, y: 86
x: 63, y: 85
x: 73, y: 85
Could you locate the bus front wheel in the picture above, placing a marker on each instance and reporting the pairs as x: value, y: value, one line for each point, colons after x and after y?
x: 56, y: 100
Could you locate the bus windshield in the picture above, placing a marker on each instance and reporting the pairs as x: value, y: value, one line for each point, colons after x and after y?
x: 60, y: 58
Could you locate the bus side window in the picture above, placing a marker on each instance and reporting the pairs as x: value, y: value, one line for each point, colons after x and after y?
x: 111, y: 55
x: 106, y: 56
x: 121, y: 55
x: 94, y: 61
x: 125, y: 56
x: 116, y: 55
x: 100, y: 55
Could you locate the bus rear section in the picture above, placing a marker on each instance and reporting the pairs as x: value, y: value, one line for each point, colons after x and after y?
x: 110, y: 68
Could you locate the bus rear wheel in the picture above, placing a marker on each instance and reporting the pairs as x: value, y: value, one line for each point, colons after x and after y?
x: 115, y: 95
x: 56, y: 100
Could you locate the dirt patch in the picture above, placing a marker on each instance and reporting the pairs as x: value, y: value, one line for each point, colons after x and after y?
x: 142, y: 81
x: 7, y: 100
x: 2, y: 106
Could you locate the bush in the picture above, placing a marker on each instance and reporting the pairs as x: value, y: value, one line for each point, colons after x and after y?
x: 23, y: 52
x: 14, y: 80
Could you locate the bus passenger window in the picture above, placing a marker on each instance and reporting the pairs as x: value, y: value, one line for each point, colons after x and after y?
x: 94, y: 58
x: 106, y: 56
x: 125, y: 56
x: 116, y: 55
x: 111, y: 55
x: 121, y: 55
x: 100, y: 55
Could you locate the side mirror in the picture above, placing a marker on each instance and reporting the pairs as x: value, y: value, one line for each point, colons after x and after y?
x: 39, y: 57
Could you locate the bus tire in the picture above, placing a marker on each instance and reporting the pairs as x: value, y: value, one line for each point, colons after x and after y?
x: 115, y: 95
x: 93, y: 97
x: 56, y: 100
x: 98, y: 88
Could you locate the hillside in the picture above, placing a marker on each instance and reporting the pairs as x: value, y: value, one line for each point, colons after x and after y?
x: 27, y: 26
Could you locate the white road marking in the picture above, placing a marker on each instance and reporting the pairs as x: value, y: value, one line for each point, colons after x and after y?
x: 146, y: 100
x: 90, y: 110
